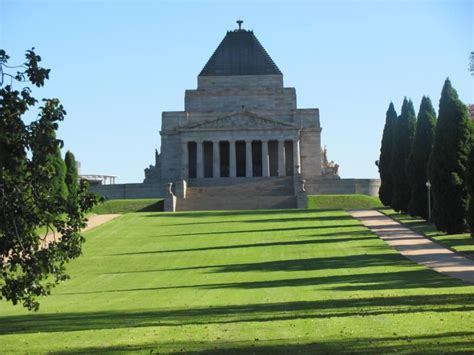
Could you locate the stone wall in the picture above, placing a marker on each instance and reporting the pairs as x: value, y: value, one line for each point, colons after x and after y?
x: 279, y: 100
x: 313, y: 187
x: 310, y: 151
x: 247, y: 81
x: 129, y: 191
x: 343, y: 186
x: 171, y: 157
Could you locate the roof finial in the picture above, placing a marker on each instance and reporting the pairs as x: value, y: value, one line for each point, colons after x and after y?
x: 240, y: 22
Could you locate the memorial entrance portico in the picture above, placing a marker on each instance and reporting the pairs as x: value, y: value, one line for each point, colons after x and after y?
x: 241, y: 150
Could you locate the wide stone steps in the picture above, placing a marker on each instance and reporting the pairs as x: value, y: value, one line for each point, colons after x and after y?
x: 238, y: 194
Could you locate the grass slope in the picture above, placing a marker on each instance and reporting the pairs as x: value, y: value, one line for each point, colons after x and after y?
x: 129, y: 206
x: 259, y: 281
x: 463, y: 242
x: 343, y: 202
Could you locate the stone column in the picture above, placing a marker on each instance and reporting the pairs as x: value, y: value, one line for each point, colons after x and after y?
x: 248, y: 159
x: 199, y: 160
x: 232, y: 160
x: 296, y: 157
x: 184, y: 161
x: 216, y: 160
x: 265, y: 160
x: 281, y: 158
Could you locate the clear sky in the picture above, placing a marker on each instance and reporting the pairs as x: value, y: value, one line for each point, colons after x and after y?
x: 116, y: 65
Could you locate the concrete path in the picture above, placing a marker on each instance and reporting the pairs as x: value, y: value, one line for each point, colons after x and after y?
x: 417, y: 247
x: 93, y: 221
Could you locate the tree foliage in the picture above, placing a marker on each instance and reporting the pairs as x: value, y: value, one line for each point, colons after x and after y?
x: 384, y: 164
x: 32, y: 198
x: 72, y: 177
x: 417, y: 167
x: 470, y: 188
x: 448, y: 162
x: 404, y: 132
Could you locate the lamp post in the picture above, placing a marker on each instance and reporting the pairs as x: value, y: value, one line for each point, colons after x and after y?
x: 428, y: 185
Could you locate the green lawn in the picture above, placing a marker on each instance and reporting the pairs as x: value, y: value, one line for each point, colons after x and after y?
x: 343, y: 202
x: 463, y: 243
x: 261, y: 281
x: 129, y: 206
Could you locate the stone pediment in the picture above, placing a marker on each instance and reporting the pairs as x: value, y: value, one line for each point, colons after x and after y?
x: 239, y: 121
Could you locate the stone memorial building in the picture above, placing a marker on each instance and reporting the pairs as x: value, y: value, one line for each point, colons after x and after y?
x: 241, y: 141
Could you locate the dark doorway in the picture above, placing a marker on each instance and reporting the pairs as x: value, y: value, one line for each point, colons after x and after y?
x: 208, y: 159
x: 192, y: 159
x: 224, y: 156
x: 273, y: 157
x: 289, y: 158
x: 240, y: 158
x: 257, y: 158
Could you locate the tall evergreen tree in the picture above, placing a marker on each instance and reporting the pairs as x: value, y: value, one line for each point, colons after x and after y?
x: 49, y: 154
x: 72, y: 176
x: 402, y: 142
x: 470, y: 188
x: 386, y: 186
x: 417, y: 167
x: 448, y: 162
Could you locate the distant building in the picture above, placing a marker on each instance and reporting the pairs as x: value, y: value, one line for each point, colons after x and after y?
x: 98, y: 179
x: 241, y: 141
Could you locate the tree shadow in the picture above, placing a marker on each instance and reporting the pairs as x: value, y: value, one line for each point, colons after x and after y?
x: 269, y: 220
x: 279, y: 229
x: 323, y: 263
x: 234, y: 213
x: 399, y: 280
x: 260, y: 312
x: 353, y: 237
x: 439, y: 343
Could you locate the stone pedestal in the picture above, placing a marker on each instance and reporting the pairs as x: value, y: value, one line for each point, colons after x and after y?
x: 170, y: 199
x: 181, y: 186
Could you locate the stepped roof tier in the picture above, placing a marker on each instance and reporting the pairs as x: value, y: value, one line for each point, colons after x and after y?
x: 240, y: 53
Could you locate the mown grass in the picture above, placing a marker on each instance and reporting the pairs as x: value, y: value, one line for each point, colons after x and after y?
x: 244, y: 282
x: 129, y: 206
x: 343, y: 202
x: 463, y: 242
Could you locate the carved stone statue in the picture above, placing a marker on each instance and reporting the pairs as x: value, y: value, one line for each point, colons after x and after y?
x: 153, y: 172
x: 329, y: 169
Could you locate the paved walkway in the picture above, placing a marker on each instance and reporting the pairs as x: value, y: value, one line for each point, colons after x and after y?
x: 417, y: 247
x: 93, y: 221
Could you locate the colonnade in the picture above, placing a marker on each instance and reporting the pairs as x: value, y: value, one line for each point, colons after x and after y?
x: 261, y: 158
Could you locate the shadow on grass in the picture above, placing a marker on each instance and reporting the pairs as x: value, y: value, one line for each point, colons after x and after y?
x: 436, y: 343
x: 268, y: 312
x: 352, y: 282
x: 268, y: 220
x: 158, y: 206
x: 353, y: 238
x: 279, y: 229
x: 326, y: 263
x: 294, y: 212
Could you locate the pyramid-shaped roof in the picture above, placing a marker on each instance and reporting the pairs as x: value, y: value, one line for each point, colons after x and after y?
x: 240, y: 53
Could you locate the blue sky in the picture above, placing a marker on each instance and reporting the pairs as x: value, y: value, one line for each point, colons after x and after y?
x: 116, y: 65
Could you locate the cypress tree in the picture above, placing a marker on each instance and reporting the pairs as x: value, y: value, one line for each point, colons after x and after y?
x: 58, y: 180
x: 71, y: 174
x: 470, y: 188
x: 448, y: 162
x: 386, y: 186
x: 417, y: 168
x: 402, y: 142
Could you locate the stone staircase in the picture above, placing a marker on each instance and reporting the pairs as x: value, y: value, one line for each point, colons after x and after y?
x: 238, y: 194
